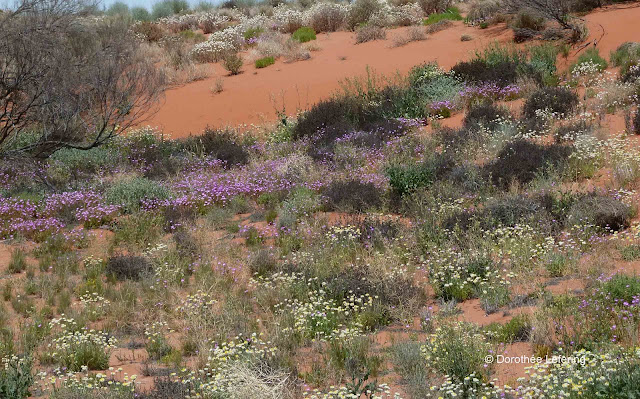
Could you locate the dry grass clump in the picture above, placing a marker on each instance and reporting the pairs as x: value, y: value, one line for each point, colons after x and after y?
x: 414, y: 34
x: 439, y: 26
x: 370, y: 33
x: 278, y: 45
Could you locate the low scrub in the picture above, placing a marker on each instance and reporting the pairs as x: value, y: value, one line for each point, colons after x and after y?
x: 304, y: 34
x: 264, y: 62
x: 219, y: 144
x: 486, y: 115
x: 602, y: 211
x: 128, y: 267
x: 130, y: 193
x: 558, y: 100
x: 369, y: 33
x: 352, y: 195
x: 451, y: 14
x: 478, y: 71
x: 522, y: 161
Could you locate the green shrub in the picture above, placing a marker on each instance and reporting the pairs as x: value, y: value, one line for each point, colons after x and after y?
x: 18, y: 261
x: 626, y: 56
x: 304, y: 34
x: 139, y: 230
x: 265, y: 62
x: 630, y: 252
x: 527, y: 21
x: 515, y: 330
x: 252, y: 33
x: 16, y: 378
x: 605, y: 212
x: 233, y: 63
x: 621, y: 287
x: 591, y: 55
x: 558, y: 100
x: 361, y: 11
x: 130, y: 192
x: 451, y: 14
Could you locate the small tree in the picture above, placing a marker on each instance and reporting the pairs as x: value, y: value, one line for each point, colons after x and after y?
x: 67, y: 80
x: 554, y: 10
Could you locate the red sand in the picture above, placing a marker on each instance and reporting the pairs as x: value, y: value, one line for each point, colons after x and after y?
x: 254, y: 96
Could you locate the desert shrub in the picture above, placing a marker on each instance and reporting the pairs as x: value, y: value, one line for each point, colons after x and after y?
x: 150, y: 31
x: 265, y: 62
x: 487, y: 115
x: 176, y: 216
x: 18, y: 261
x: 361, y: 11
x: 414, y: 34
x: 16, y: 378
x: 517, y: 329
x: 591, y: 56
x: 327, y: 17
x: 630, y: 252
x: 130, y: 192
x: 522, y: 161
x: 627, y: 56
x: 602, y: 211
x: 434, y: 6
x: 558, y: 100
x: 621, y: 287
x: 324, y: 114
x: 304, y: 34
x: 252, y: 33
x: 458, y: 350
x: 482, y: 11
x: 138, y: 230
x: 636, y: 122
x: 409, y: 364
x: 130, y: 267
x: 369, y: 33
x: 405, y: 179
x: 187, y: 246
x: 352, y: 195
x: 450, y: 14
x: 570, y: 131
x: 528, y: 21
x: 262, y: 263
x: 232, y: 63
x: 438, y: 26
x: 478, y: 71
x: 219, y: 144
x: 521, y: 35
x: 510, y: 211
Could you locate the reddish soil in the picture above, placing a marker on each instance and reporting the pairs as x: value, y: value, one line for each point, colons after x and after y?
x: 254, y: 96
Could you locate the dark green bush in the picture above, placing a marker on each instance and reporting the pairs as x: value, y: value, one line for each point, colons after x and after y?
x: 555, y: 99
x: 352, y: 195
x: 487, y: 115
x: 265, y: 62
x: 528, y: 21
x: 521, y: 161
x: 304, y: 34
x: 219, y: 144
x: 602, y: 211
x: 130, y: 267
x: 591, y: 55
x: 502, y: 73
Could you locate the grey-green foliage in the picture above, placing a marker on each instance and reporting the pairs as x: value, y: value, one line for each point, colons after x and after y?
x: 15, y: 378
x: 129, y: 192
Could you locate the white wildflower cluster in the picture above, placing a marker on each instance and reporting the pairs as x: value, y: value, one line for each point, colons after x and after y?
x: 464, y: 275
x: 287, y: 19
x: 87, y: 383
x: 71, y: 341
x: 470, y: 387
x: 380, y: 391
x: 343, y: 235
x: 197, y: 304
x: 94, y: 304
x: 322, y: 318
x: 590, y: 372
x: 587, y: 73
x: 217, y: 378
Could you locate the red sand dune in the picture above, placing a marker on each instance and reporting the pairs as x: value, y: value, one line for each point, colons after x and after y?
x: 254, y: 96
